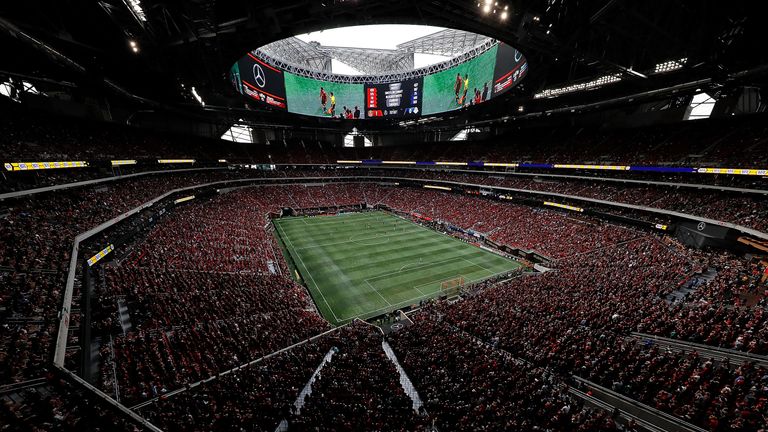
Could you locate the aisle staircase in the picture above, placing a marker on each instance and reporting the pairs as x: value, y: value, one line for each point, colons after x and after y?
x: 691, y: 285
x: 405, y: 382
x: 307, y: 390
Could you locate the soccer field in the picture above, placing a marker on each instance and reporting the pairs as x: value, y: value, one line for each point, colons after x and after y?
x: 360, y: 265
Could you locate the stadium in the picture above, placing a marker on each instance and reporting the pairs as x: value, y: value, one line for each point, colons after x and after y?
x: 361, y: 215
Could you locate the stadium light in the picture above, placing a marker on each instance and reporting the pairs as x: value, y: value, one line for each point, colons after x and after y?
x: 491, y: 6
x: 670, y: 65
x: 589, y: 85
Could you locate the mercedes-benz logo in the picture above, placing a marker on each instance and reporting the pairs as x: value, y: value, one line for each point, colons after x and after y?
x: 701, y: 226
x: 258, y: 75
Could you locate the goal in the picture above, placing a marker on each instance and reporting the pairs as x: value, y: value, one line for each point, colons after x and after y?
x: 452, y: 287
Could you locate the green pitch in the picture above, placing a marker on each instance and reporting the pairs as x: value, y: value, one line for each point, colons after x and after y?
x: 365, y: 264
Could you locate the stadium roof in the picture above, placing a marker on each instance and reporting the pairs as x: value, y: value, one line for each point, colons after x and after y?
x: 372, y: 61
x: 611, y: 48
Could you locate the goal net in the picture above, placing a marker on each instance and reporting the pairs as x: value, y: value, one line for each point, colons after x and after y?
x: 452, y: 287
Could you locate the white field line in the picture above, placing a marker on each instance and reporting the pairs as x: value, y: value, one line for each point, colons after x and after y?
x: 377, y: 292
x: 357, y: 218
x: 390, y: 305
x: 413, y: 268
x: 351, y: 240
x: 422, y: 296
x: 292, y: 219
x: 406, y: 265
x: 317, y: 287
x: 478, y: 265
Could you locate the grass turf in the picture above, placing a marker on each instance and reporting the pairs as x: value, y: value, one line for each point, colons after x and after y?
x: 360, y: 265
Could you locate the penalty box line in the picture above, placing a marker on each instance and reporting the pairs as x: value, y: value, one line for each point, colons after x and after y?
x: 421, y: 296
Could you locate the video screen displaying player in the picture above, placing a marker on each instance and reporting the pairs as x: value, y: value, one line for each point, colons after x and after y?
x: 321, y: 98
x: 460, y: 86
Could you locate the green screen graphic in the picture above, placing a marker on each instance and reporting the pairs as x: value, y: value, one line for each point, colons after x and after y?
x: 303, y: 95
x: 443, y: 93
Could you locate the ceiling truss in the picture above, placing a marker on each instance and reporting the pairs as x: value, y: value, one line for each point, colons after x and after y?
x: 315, y: 60
x: 316, y: 73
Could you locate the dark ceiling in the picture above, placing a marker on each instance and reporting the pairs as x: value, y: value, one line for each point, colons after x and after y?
x: 194, y: 42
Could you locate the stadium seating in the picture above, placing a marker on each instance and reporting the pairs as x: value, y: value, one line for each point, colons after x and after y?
x: 37, y: 238
x: 358, y: 389
x: 207, y: 289
x: 470, y: 387
x: 62, y: 406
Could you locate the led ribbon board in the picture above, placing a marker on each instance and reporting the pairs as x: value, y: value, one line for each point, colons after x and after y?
x: 499, y: 164
x: 175, y: 161
x: 735, y: 171
x: 728, y: 171
x: 123, y: 162
x: 181, y: 200
x: 563, y: 206
x: 30, y: 166
x: 593, y: 167
x: 102, y: 253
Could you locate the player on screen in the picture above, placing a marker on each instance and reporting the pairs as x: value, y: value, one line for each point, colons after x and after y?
x: 461, y: 96
x: 323, y: 98
x: 485, y: 92
x: 357, y: 112
x: 332, y: 109
x: 457, y: 86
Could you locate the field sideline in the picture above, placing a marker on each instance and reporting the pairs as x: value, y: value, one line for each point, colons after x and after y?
x: 360, y: 265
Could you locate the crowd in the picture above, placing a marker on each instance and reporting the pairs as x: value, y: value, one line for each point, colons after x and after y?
x: 58, y: 405
x: 468, y: 386
x: 207, y: 290
x: 256, y: 397
x: 577, y: 320
x: 37, y: 236
x: 204, y: 291
x: 190, y: 325
x: 511, y: 224
x: 358, y: 389
x: 749, y: 210
x: 608, y: 281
